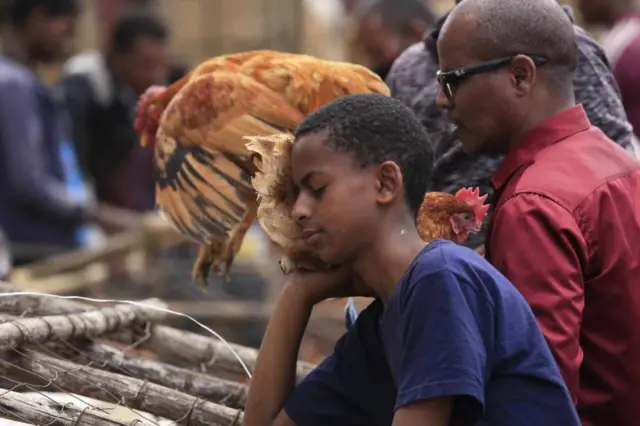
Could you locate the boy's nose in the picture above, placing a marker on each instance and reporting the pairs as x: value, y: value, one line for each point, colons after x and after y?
x: 300, y: 212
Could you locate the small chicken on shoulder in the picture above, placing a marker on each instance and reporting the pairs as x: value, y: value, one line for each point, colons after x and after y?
x: 196, y: 127
x: 441, y: 215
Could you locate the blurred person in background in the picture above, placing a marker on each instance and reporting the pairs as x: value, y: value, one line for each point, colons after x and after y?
x: 385, y: 28
x: 45, y: 206
x: 413, y: 80
x: 621, y: 43
x: 102, y: 90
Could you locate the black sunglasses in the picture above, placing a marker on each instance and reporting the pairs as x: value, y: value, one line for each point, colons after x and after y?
x: 449, y: 80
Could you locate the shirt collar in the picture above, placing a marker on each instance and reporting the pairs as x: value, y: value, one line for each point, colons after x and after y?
x: 556, y: 128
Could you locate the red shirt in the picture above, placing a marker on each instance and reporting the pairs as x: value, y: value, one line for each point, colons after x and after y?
x: 566, y: 232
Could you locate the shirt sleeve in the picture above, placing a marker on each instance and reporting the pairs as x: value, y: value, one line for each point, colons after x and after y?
x: 544, y: 263
x: 353, y: 386
x: 443, y: 352
x: 23, y: 156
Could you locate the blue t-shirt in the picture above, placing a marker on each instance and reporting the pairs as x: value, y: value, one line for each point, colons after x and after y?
x: 453, y: 326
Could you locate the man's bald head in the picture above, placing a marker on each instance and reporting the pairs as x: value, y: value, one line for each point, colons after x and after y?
x: 495, y: 86
x: 510, y: 27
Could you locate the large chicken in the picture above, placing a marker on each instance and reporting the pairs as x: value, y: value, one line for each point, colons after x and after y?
x: 441, y: 215
x: 196, y: 126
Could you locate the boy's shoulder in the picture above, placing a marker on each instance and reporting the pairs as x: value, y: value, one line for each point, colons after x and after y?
x: 446, y: 256
x: 443, y: 263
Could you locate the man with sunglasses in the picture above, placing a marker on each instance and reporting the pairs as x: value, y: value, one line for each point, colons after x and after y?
x: 412, y: 80
x: 566, y: 225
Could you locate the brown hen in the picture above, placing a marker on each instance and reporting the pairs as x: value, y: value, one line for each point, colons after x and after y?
x: 196, y: 126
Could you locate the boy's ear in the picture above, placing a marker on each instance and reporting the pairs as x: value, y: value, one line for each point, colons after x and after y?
x: 389, y: 183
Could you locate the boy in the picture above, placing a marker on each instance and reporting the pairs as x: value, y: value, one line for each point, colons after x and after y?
x: 448, y: 340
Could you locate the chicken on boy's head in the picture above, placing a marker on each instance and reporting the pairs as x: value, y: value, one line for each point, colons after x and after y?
x: 504, y: 64
x: 361, y: 165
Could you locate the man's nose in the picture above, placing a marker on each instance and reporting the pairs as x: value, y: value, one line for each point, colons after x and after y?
x: 442, y: 100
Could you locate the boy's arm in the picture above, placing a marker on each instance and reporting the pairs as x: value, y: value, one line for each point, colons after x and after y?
x: 342, y: 389
x: 442, y: 354
x: 544, y: 264
x: 275, y: 370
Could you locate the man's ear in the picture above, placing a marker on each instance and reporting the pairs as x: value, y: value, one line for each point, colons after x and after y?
x: 523, y: 74
x: 389, y: 185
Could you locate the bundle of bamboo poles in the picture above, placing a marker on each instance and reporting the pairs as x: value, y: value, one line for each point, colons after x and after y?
x: 119, y: 354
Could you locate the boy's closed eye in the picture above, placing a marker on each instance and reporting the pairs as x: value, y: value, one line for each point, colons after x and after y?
x: 317, y: 192
x: 314, y: 183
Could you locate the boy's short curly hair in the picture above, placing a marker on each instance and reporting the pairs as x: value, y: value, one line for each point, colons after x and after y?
x: 375, y: 128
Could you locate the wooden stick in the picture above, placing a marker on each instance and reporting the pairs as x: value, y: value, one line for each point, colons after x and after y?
x: 226, y: 392
x: 152, y: 230
x: 117, y: 246
x: 233, y: 310
x: 37, y: 304
x: 220, y: 391
x: 134, y: 393
x: 211, y: 354
x: 170, y: 344
x: 38, y: 409
x: 44, y: 304
x: 65, y: 327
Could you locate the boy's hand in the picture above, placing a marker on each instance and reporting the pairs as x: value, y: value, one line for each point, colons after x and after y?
x: 326, y: 284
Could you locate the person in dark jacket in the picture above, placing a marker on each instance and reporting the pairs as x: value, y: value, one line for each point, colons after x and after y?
x: 39, y: 211
x: 102, y: 91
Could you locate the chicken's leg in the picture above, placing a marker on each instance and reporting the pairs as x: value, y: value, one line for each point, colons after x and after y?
x: 214, y: 254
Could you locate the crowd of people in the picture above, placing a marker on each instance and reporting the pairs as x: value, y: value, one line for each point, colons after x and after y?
x: 510, y: 96
x: 72, y: 170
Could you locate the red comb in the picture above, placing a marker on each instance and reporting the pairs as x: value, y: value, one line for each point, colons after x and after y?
x: 473, y: 198
x: 148, y: 115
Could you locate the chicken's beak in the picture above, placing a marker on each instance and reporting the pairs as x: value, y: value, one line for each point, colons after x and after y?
x: 477, y: 227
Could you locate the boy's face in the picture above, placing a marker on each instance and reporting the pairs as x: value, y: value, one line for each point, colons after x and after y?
x: 337, y: 205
